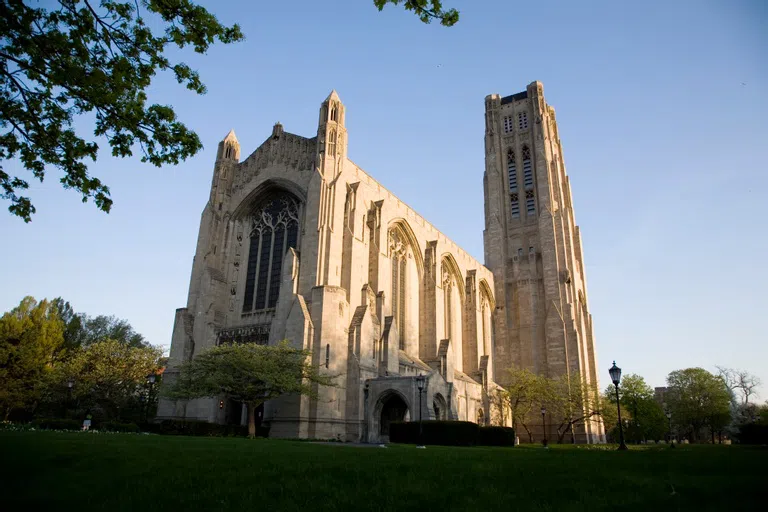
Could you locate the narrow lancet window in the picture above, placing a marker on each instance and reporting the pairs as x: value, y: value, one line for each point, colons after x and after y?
x: 332, y: 143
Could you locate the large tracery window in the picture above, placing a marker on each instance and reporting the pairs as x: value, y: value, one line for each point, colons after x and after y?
x: 398, y: 253
x: 274, y: 228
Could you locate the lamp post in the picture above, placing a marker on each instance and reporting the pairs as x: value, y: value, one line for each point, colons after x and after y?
x: 70, y: 384
x: 615, y: 373
x: 668, y: 414
x: 420, y: 384
x: 544, y: 425
x: 151, y: 380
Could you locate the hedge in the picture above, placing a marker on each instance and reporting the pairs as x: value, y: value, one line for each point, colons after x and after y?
x: 753, y: 433
x: 451, y: 433
x: 114, y: 426
x: 201, y: 428
x: 496, y: 436
x: 57, y: 424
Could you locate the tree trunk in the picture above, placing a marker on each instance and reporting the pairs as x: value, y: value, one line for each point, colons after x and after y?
x: 528, y: 431
x: 251, y: 420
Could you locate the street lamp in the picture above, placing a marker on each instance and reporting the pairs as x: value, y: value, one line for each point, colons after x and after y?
x: 420, y: 384
x: 615, y: 372
x: 544, y: 425
x: 668, y: 414
x: 70, y: 384
x: 151, y: 380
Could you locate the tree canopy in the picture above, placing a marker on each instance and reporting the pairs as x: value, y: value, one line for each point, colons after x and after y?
x: 99, y: 57
x: 698, y: 400
x: 30, y: 335
x: 249, y: 373
x: 643, y: 415
x: 46, y: 344
x: 523, y: 392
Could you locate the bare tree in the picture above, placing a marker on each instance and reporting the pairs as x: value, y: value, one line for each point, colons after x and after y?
x: 748, y: 384
x: 740, y: 380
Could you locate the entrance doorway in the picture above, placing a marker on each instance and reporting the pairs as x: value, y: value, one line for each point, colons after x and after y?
x: 393, y: 409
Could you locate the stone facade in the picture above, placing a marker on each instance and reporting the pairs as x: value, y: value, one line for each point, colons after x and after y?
x: 297, y: 242
x: 533, y: 247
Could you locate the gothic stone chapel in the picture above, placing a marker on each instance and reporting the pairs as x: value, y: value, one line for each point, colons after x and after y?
x: 297, y: 242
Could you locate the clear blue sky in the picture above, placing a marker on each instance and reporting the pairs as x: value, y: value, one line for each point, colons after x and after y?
x: 662, y: 108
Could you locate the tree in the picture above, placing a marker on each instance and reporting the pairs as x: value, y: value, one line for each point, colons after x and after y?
x: 524, y: 391
x: 426, y: 10
x: 102, y: 327
x: 571, y: 403
x: 740, y: 381
x: 109, y: 376
x: 99, y: 58
x: 698, y: 400
x: 644, y: 416
x: 249, y: 373
x: 73, y: 323
x: 30, y: 336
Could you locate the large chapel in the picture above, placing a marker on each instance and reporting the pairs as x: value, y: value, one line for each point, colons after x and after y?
x: 297, y: 242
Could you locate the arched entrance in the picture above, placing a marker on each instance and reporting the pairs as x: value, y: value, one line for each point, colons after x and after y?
x: 439, y: 407
x: 393, y: 408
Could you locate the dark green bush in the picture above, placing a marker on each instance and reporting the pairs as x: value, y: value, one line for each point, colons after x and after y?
x: 114, y: 426
x: 496, y: 436
x: 752, y: 433
x: 57, y: 424
x: 447, y: 433
x: 203, y: 428
x: 451, y: 433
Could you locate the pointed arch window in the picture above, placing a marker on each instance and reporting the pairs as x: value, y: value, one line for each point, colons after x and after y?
x: 527, y: 169
x: 332, y: 143
x: 274, y: 228
x: 530, y: 203
x: 398, y: 254
x: 514, y: 200
x: 485, y: 327
x: 334, y: 113
x: 511, y: 171
x: 447, y: 303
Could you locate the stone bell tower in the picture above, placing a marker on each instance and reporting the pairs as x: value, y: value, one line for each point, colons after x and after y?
x: 533, y: 246
x: 331, y: 156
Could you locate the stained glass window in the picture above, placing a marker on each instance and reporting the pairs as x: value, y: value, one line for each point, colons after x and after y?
x: 274, y: 228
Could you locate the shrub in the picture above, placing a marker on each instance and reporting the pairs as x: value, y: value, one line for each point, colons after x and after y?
x: 114, y: 426
x: 451, y: 433
x: 496, y: 436
x: 446, y: 433
x: 753, y: 433
x: 203, y: 428
x: 57, y: 424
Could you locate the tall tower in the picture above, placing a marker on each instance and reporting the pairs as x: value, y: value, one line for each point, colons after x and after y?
x: 533, y: 246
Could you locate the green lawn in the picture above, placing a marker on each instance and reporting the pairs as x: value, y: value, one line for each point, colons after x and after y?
x: 94, y: 472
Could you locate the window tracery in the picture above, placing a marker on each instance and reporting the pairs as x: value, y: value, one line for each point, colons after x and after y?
x: 332, y: 143
x: 447, y: 292
x: 274, y: 227
x: 398, y: 254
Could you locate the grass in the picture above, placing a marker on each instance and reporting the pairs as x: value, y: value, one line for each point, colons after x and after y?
x: 70, y: 471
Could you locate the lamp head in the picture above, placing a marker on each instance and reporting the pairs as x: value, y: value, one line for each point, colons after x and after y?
x: 615, y: 372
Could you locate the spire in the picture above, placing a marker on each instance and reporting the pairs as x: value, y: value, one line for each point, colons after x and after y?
x: 229, y: 147
x: 333, y: 96
x: 231, y: 137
